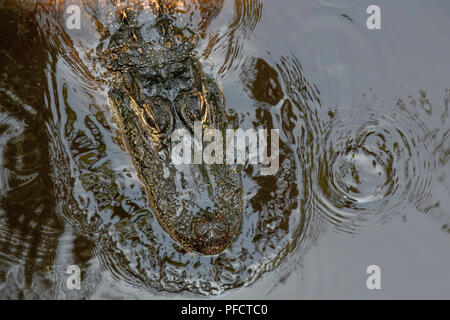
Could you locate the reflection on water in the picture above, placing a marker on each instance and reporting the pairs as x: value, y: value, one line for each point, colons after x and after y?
x: 29, y: 225
x: 231, y: 38
x: 69, y: 193
x: 261, y: 80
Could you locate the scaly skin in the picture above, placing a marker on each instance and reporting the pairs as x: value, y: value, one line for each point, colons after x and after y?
x: 157, y: 85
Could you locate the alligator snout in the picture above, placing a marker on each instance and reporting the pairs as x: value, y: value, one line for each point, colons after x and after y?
x: 209, y: 215
x: 212, y: 234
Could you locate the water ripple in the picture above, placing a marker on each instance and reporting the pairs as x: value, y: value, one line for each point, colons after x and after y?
x: 373, y: 161
x: 232, y: 39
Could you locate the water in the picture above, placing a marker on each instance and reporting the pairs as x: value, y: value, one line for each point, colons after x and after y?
x: 364, y: 145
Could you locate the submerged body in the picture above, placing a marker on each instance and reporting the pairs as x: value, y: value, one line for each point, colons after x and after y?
x: 157, y: 85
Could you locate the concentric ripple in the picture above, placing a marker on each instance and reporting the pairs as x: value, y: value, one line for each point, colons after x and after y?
x: 373, y: 160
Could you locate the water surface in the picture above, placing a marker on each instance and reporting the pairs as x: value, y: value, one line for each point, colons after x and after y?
x: 364, y: 145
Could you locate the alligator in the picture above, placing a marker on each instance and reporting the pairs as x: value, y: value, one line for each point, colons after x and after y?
x: 157, y: 85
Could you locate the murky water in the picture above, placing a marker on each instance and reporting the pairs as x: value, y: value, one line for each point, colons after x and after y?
x: 364, y: 147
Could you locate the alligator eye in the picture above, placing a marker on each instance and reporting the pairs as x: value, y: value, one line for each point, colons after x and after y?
x: 157, y: 115
x: 191, y: 108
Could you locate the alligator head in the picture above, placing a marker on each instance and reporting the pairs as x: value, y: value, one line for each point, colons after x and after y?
x: 158, y: 87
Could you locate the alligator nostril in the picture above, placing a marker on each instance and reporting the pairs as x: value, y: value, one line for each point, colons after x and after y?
x: 201, y: 229
x: 210, y: 228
